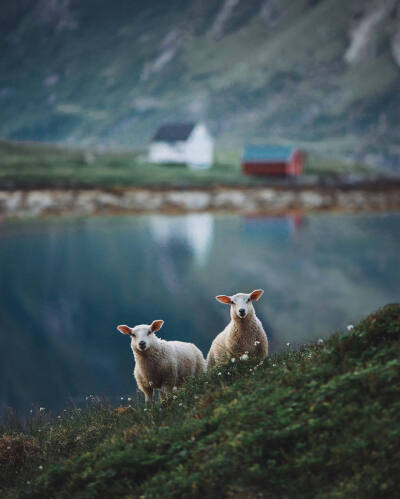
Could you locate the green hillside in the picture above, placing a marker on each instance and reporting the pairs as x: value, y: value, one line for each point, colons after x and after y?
x: 320, y: 422
x: 322, y: 73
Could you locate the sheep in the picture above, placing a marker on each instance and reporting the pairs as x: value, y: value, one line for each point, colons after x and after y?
x: 159, y: 364
x: 244, y: 336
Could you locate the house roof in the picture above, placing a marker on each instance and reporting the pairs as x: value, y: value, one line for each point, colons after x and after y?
x: 173, y: 132
x: 268, y: 153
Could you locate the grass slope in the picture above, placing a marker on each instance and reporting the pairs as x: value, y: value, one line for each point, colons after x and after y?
x: 29, y: 165
x: 320, y: 422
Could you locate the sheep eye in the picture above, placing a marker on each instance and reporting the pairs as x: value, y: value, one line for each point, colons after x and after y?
x: 248, y: 300
x: 133, y: 335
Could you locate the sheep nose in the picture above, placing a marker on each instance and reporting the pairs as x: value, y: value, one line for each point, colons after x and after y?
x: 242, y: 311
x: 142, y: 345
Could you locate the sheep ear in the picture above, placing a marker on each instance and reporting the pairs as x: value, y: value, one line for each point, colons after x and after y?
x: 224, y: 299
x: 256, y: 294
x: 156, y: 325
x: 124, y: 329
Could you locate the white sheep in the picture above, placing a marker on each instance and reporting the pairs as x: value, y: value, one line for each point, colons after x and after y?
x: 244, y: 336
x: 159, y: 364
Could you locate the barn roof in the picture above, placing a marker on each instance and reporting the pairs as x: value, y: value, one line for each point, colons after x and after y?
x: 173, y: 132
x: 268, y: 153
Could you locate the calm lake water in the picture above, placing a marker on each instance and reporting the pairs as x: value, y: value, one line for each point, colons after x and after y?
x: 66, y: 283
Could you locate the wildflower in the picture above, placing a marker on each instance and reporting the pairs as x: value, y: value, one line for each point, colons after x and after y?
x: 288, y: 344
x: 122, y: 398
x: 8, y: 448
x: 192, y: 438
x: 31, y: 411
x: 78, y: 438
x: 174, y: 389
x: 206, y: 382
x: 320, y: 341
x: 150, y: 383
x: 180, y: 404
x: 256, y: 343
x: 228, y: 373
x: 350, y: 327
x: 41, y: 409
x: 28, y: 482
x: 273, y: 365
x: 40, y: 467
x: 219, y: 374
x: 58, y: 417
x: 244, y: 357
x: 233, y: 360
x: 145, y: 409
x: 174, y: 396
x: 196, y: 397
x: 129, y: 399
x: 250, y: 369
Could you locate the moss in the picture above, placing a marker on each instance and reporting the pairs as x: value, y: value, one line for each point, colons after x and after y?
x: 320, y: 422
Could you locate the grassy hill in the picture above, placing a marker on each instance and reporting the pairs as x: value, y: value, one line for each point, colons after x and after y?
x: 320, y: 422
x: 322, y: 73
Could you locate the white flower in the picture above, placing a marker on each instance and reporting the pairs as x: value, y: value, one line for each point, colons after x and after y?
x: 288, y: 344
x: 244, y: 357
x: 31, y: 410
x: 180, y: 404
x: 174, y: 396
x: 228, y: 373
x: 219, y: 374
x: 192, y: 438
x: 122, y: 398
x: 246, y: 351
x: 145, y: 409
x: 129, y: 399
x: 174, y: 389
x: 150, y: 383
x: 206, y: 382
x: 196, y: 397
x: 58, y: 417
x: 250, y: 369
x: 78, y: 438
x: 41, y: 409
x: 256, y: 343
x: 320, y: 341
x: 350, y: 327
x: 8, y: 448
x: 233, y: 360
x: 28, y: 482
x: 40, y: 467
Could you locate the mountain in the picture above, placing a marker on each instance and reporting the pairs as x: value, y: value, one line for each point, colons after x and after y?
x: 322, y: 73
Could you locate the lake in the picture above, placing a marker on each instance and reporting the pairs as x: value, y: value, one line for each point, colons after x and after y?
x: 65, y: 284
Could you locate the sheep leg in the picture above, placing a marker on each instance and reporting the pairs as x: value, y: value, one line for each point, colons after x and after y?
x: 148, y: 394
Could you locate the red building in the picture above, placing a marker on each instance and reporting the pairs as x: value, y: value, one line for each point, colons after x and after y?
x: 272, y: 161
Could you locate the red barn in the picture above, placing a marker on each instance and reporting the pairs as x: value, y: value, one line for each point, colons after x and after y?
x: 272, y: 161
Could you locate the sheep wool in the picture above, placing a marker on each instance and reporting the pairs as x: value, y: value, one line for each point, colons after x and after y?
x: 159, y: 364
x: 243, y: 336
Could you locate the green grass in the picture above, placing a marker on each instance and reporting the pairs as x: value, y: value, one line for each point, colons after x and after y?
x: 29, y: 165
x: 320, y: 422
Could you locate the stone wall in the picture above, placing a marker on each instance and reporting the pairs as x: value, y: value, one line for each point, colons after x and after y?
x: 90, y: 202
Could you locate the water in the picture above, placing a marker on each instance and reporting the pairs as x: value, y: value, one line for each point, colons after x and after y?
x: 66, y: 284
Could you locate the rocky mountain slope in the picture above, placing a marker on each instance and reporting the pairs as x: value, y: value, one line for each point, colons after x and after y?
x: 322, y: 73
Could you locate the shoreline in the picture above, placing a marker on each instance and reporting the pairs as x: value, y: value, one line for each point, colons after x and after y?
x: 276, y: 199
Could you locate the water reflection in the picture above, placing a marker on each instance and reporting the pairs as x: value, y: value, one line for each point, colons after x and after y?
x: 65, y: 284
x: 194, y: 231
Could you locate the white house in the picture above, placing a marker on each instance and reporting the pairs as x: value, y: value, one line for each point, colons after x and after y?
x: 186, y: 143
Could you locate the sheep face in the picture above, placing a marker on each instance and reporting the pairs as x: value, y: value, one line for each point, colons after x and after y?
x: 241, y: 303
x: 142, y: 336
